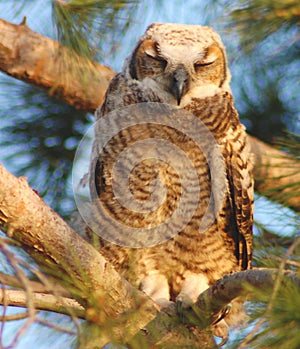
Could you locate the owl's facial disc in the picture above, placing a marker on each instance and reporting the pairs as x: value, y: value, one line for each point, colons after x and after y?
x: 179, y: 83
x: 191, y: 67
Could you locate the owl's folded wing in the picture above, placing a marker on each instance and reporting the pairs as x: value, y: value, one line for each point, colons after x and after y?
x: 240, y: 179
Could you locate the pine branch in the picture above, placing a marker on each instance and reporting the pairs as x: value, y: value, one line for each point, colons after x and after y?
x: 209, y: 303
x: 42, y: 62
x: 68, y: 258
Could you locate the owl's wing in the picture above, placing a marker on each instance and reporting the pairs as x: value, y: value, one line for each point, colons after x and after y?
x: 240, y: 180
x: 123, y: 91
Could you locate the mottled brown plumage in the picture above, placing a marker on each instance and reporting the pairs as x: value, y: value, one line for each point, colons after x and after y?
x: 184, y: 67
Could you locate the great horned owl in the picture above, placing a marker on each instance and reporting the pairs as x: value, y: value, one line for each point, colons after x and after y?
x: 184, y: 67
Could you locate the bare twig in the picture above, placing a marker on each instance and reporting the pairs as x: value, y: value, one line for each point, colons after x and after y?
x: 36, y: 286
x: 14, y: 317
x: 21, y: 277
x: 18, y: 298
x: 54, y: 327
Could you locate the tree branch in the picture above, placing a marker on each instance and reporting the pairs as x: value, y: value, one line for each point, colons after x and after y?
x: 69, y: 259
x: 42, y: 62
x: 277, y: 174
x: 36, y: 286
x: 41, y: 301
x: 209, y: 303
x: 223, y: 291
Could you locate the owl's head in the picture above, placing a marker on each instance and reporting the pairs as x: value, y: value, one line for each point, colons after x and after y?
x: 184, y: 60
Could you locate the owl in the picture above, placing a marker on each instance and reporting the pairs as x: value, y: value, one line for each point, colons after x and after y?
x: 180, y: 71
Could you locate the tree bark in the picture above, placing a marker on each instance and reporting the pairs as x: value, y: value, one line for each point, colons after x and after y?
x: 68, y: 259
x: 42, y: 62
x: 277, y: 174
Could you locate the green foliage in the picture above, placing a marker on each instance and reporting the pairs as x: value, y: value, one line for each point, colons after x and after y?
x: 274, y: 319
x: 259, y: 18
x: 270, y: 250
x: 83, y: 25
x: 265, y: 85
x: 277, y: 326
x: 40, y: 137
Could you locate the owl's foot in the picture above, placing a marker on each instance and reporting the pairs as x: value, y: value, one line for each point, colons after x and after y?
x: 219, y: 325
x: 184, y: 301
x: 156, y: 287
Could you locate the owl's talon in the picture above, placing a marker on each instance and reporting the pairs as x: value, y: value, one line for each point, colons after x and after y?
x: 224, y: 312
x: 220, y: 327
x: 170, y: 309
x: 180, y: 306
x: 184, y: 301
x: 221, y: 330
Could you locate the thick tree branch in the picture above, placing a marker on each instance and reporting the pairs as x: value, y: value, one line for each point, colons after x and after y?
x: 277, y: 174
x: 45, y: 63
x: 33, y: 58
x: 69, y: 259
x: 223, y: 291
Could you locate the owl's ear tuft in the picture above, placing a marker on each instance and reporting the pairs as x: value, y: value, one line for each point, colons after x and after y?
x: 133, y: 61
x: 142, y: 46
x: 152, y: 25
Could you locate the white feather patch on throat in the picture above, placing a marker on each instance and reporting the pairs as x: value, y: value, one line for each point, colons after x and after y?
x: 200, y: 92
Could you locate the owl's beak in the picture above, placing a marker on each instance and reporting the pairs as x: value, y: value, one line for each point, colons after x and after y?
x: 180, y: 83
